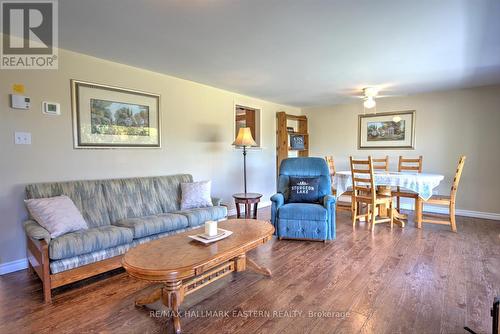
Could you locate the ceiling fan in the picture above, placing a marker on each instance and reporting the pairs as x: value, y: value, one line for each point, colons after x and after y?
x: 369, y: 94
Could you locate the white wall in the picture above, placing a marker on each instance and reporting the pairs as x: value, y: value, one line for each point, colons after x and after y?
x: 197, y: 134
x: 448, y: 124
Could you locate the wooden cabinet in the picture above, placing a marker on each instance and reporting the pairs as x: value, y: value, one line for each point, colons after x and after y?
x: 287, y: 125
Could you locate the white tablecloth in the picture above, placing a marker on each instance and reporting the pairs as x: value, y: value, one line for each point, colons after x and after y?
x: 421, y: 183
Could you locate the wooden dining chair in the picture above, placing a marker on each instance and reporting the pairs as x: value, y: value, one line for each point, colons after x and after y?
x: 444, y: 200
x: 381, y: 163
x: 364, y: 191
x: 341, y: 205
x: 407, y: 164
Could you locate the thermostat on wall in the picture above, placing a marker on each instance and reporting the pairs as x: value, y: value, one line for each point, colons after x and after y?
x: 19, y: 101
x: 51, y: 108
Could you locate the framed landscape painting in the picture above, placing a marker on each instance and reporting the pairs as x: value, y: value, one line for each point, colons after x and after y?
x: 112, y: 117
x: 391, y: 130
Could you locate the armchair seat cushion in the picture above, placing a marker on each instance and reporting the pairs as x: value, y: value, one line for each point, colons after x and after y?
x: 303, y: 211
x: 303, y: 229
x: 87, y: 241
x: 149, y: 225
x: 199, y: 216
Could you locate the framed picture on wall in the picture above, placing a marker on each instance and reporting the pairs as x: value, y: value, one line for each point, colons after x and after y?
x: 112, y: 117
x: 390, y: 130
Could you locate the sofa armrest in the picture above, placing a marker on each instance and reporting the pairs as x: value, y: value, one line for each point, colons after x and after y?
x: 36, y: 231
x: 216, y: 201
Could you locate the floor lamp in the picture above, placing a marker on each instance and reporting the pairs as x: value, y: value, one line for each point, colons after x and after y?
x: 244, y: 139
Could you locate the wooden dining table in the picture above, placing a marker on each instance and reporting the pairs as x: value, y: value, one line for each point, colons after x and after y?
x: 423, y: 184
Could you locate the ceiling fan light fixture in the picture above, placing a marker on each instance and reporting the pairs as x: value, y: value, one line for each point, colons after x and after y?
x: 369, y: 103
x: 370, y: 91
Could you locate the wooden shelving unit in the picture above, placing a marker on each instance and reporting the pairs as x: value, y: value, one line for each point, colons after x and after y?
x: 283, y: 149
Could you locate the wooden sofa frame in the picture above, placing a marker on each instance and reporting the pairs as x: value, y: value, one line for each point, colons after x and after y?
x: 38, y: 262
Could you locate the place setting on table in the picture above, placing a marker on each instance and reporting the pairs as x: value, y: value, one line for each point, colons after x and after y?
x: 211, y: 233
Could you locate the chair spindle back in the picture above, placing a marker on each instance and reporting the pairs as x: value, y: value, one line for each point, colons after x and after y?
x: 362, y: 177
x: 456, y: 180
x: 407, y: 164
x: 331, y: 165
x: 381, y: 163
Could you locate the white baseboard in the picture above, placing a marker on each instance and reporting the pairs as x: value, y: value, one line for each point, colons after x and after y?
x: 232, y: 212
x: 459, y: 212
x: 409, y: 206
x: 12, y: 266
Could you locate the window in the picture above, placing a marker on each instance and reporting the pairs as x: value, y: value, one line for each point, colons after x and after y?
x: 247, y: 117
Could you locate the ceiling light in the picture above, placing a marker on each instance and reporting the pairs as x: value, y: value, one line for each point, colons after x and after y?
x: 370, y: 91
x: 369, y: 103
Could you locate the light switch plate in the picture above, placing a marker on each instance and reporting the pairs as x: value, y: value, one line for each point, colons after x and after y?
x: 22, y: 138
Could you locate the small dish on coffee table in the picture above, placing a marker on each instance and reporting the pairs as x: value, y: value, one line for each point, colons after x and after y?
x: 206, y: 239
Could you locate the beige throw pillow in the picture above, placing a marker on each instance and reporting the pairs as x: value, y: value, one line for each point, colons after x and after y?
x: 196, y: 195
x: 58, y: 215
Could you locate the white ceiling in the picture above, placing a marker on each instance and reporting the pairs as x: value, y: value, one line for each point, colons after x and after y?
x: 302, y: 53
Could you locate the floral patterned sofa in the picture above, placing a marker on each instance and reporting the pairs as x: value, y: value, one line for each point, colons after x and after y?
x: 120, y: 213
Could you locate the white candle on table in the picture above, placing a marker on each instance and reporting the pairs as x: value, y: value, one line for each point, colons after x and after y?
x: 211, y: 228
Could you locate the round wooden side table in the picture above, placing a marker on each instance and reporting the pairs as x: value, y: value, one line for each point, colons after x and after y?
x: 247, y: 199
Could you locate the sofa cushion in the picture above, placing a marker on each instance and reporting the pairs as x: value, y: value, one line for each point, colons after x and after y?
x: 58, y: 215
x: 302, y: 211
x: 131, y: 198
x: 199, y: 216
x: 35, y: 231
x: 196, y: 195
x: 88, y: 197
x: 87, y: 241
x: 58, y: 266
x: 169, y: 190
x: 149, y: 225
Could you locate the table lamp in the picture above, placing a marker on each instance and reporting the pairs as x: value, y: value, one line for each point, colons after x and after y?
x: 244, y: 139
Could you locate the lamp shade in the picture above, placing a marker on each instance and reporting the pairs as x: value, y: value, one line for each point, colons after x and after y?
x: 244, y: 138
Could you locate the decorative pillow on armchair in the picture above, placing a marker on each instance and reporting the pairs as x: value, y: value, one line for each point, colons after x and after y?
x: 58, y: 215
x: 304, y: 190
x: 196, y: 195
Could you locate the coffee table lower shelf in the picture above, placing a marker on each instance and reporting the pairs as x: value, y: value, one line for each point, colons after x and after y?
x: 172, y: 293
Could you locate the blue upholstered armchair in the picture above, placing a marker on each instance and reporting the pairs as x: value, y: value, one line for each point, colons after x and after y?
x: 304, y: 220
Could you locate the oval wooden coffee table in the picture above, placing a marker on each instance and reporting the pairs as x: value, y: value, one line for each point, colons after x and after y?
x: 183, y: 265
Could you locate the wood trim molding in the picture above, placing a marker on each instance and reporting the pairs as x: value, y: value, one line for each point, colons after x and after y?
x: 85, y: 271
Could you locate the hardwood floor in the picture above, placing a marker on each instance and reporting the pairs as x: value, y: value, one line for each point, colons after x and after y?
x: 400, y: 281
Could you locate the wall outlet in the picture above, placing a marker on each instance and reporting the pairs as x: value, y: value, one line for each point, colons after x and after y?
x: 22, y: 138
